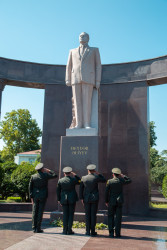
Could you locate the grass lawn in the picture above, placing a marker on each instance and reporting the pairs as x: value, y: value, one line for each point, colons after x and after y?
x: 156, y: 205
x: 7, y: 201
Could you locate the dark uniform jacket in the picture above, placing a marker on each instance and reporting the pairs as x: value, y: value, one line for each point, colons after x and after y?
x: 66, y: 192
x: 89, y: 187
x: 114, y: 190
x: 38, y: 186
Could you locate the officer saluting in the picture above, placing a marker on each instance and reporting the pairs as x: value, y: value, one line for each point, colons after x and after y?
x: 114, y: 200
x: 67, y: 196
x: 89, y: 195
x: 38, y: 189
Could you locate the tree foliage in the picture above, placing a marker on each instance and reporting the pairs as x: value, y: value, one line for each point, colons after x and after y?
x: 19, y: 132
x: 153, y: 136
x: 21, y: 177
x: 1, y: 174
x: 7, y: 187
x: 154, y: 157
x: 164, y: 187
x: 158, y: 161
x: 158, y: 173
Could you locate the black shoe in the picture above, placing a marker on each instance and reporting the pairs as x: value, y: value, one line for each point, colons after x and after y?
x: 87, y: 233
x: 34, y: 230
x: 111, y: 233
x: 70, y: 232
x: 39, y: 231
x: 93, y: 234
x: 118, y: 236
x: 64, y: 232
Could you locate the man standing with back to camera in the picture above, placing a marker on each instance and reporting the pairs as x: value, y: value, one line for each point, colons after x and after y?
x: 114, y: 200
x: 67, y: 197
x: 83, y: 73
x: 38, y: 189
x: 89, y: 195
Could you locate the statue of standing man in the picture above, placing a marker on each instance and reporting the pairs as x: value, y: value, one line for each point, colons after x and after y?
x: 83, y: 73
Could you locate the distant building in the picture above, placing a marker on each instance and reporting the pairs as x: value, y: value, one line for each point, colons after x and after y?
x: 29, y: 156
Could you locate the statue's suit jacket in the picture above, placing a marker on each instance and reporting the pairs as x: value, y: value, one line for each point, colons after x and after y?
x: 86, y: 68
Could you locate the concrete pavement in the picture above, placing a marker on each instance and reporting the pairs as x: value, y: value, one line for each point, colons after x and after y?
x: 137, y: 233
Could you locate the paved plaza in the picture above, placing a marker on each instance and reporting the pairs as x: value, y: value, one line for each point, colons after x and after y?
x: 137, y: 233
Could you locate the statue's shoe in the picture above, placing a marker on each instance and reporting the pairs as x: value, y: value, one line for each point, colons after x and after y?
x: 78, y: 126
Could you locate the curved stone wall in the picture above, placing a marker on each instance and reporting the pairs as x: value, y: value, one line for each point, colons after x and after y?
x: 37, y: 75
x: 123, y: 119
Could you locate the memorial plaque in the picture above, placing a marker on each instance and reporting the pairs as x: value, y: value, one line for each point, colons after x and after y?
x: 78, y: 152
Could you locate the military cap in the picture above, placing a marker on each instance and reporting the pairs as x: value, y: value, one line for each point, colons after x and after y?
x: 116, y: 171
x: 39, y: 166
x: 91, y: 167
x: 67, y: 169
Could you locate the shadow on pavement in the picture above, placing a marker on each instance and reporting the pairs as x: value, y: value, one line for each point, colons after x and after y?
x: 23, y: 225
x: 145, y: 227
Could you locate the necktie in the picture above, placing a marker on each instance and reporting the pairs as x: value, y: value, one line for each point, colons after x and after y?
x: 82, y: 50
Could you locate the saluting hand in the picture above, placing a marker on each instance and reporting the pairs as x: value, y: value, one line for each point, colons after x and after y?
x: 106, y: 204
x: 96, y: 172
x: 73, y: 173
x: 46, y: 170
x: 59, y: 203
x: 32, y: 201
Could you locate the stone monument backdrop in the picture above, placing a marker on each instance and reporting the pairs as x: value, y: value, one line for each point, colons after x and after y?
x: 123, y: 120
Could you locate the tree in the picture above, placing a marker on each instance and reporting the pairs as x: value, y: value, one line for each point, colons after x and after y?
x: 154, y: 157
x: 7, y: 187
x: 1, y: 161
x: 164, y: 155
x: 153, y: 136
x: 164, y: 187
x: 19, y: 132
x: 21, y: 178
x: 1, y: 175
x: 157, y: 174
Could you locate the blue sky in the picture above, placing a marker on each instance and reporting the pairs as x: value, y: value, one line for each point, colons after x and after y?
x: 45, y: 30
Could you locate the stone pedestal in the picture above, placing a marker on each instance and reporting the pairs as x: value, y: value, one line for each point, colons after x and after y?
x: 78, y: 152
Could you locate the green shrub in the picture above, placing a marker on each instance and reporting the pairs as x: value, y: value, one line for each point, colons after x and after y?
x: 57, y: 223
x: 101, y: 226
x: 77, y: 224
x: 164, y: 187
x: 17, y: 199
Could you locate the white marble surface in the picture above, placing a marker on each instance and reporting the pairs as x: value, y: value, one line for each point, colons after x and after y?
x: 81, y: 132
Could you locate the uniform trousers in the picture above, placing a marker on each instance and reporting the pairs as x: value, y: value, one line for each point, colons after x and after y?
x: 114, y: 218
x: 37, y: 212
x: 82, y: 95
x: 90, y: 213
x: 68, y: 217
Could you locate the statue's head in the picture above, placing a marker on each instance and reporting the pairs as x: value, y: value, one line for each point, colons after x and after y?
x: 84, y: 38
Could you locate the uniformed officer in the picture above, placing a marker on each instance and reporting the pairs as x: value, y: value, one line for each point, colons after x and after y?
x: 38, y: 190
x: 89, y: 195
x: 67, y: 197
x: 114, y: 200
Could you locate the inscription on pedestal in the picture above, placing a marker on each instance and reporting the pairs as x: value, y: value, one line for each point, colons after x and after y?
x: 77, y: 152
